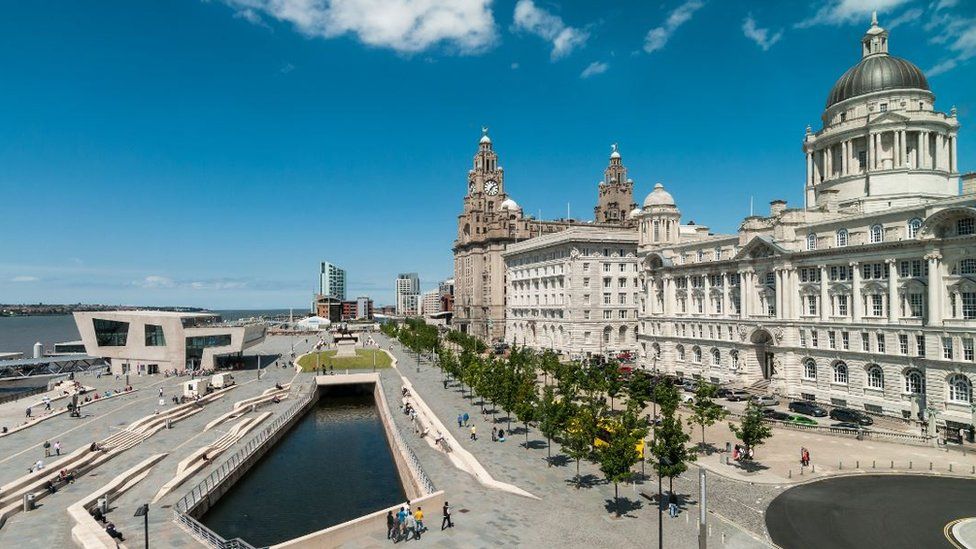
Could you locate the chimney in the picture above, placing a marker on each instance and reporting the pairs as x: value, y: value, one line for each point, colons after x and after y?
x: 776, y: 207
x: 969, y: 183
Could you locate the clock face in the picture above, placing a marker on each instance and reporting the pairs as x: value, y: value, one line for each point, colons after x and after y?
x: 491, y: 187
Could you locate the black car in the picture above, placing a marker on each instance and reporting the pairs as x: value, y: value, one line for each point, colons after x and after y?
x: 847, y: 425
x: 846, y: 415
x: 769, y: 413
x: 807, y: 409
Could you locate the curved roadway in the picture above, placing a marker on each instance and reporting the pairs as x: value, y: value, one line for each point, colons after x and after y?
x: 873, y: 511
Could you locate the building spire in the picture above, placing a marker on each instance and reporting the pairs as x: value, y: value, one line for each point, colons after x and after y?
x: 874, y: 18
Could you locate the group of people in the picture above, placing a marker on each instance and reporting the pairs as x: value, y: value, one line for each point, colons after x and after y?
x: 64, y: 477
x: 47, y: 448
x: 804, y: 457
x: 406, y: 525
x: 110, y: 528
x: 740, y: 453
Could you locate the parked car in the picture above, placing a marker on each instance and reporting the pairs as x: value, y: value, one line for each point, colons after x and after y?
x: 765, y: 400
x: 807, y: 409
x: 735, y: 395
x: 687, y: 398
x: 847, y: 425
x: 803, y: 420
x: 690, y: 385
x: 723, y: 392
x: 847, y: 415
x: 769, y: 413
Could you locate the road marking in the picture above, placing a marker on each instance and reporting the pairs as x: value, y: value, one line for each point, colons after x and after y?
x: 947, y: 532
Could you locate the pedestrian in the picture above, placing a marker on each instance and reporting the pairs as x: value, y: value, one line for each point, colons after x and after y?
x: 501, y: 435
x: 160, y: 392
x: 390, y: 525
x: 113, y: 533
x: 47, y: 448
x: 28, y: 411
x: 57, y: 447
x: 419, y: 517
x: 466, y: 419
x: 460, y: 420
x: 474, y: 435
x: 401, y: 524
x: 39, y: 465
x: 494, y: 434
x: 672, y: 504
x: 411, y: 528
x: 806, y: 457
x: 445, y: 383
x: 446, y: 522
x: 47, y: 403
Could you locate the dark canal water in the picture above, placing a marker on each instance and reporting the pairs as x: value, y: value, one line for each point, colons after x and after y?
x: 333, y: 466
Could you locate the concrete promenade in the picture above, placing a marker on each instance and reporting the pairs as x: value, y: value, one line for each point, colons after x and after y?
x: 50, y: 525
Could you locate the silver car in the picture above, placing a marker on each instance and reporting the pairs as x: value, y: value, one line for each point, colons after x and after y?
x: 765, y: 400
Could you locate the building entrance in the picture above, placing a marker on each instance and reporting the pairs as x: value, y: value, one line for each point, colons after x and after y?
x: 764, y: 342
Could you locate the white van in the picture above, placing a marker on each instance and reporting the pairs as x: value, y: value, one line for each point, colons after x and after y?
x: 222, y: 380
x: 195, y: 387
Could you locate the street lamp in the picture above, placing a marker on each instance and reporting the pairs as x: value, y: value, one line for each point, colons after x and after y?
x: 143, y: 511
x: 662, y: 462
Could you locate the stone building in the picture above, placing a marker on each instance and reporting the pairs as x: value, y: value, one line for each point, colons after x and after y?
x: 574, y: 292
x: 491, y: 220
x: 865, y: 297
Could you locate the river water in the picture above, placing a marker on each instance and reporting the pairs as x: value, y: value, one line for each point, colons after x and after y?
x: 333, y: 466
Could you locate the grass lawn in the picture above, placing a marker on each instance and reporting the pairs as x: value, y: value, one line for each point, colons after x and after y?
x: 362, y: 361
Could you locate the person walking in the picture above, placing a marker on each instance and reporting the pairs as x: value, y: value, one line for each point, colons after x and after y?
x: 160, y: 392
x: 806, y: 457
x: 474, y: 434
x: 419, y: 517
x: 446, y: 522
x: 672, y: 504
x: 57, y: 447
x: 390, y: 525
x: 460, y: 419
x: 28, y: 411
x: 47, y: 448
x: 411, y: 528
x: 466, y: 419
x: 494, y: 434
x: 47, y: 403
x: 401, y: 524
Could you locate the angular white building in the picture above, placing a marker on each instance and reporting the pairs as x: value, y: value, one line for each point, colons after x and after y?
x: 866, y: 296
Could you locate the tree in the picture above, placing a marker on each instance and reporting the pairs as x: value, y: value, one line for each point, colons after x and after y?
x: 553, y: 415
x: 620, y: 453
x: 752, y: 429
x: 612, y: 381
x: 526, y: 407
x: 669, y: 436
x: 705, y: 412
x: 579, y: 434
x: 638, y: 389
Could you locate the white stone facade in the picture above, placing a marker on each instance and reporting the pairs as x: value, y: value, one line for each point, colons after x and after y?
x: 575, y: 292
x: 866, y: 299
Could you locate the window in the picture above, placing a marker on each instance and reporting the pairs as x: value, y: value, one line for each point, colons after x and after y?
x: 811, y: 242
x: 842, y: 305
x: 154, y: 336
x: 200, y: 342
x: 657, y: 350
x: 734, y: 360
x: 883, y: 107
x: 680, y: 352
x: 920, y: 345
x: 716, y: 357
x: 840, y: 373
x: 965, y: 226
x: 877, y: 234
x: 607, y: 282
x: 803, y: 338
x: 586, y: 315
x: 960, y: 389
x: 622, y: 282
x: 701, y: 256
x: 865, y: 342
x: 947, y: 348
x: 110, y: 333
x: 813, y: 338
x: 606, y: 299
x: 875, y: 377
x: 810, y: 369
x: 914, y: 383
x: 969, y: 305
x: 967, y: 266
x: 913, y: 226
x: 621, y: 299
x: 845, y: 340
x: 623, y: 266
x: 606, y: 267
x: 696, y: 355
x: 812, y: 305
x: 586, y: 267
x: 915, y: 305
x: 967, y: 349
x: 877, y: 305
x: 842, y: 237
x: 607, y: 315
x: 622, y: 313
x: 880, y: 338
x: 832, y: 339
x: 903, y: 344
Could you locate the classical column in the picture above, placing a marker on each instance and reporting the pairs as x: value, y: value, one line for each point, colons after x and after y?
x: 668, y: 289
x: 895, y: 148
x: 794, y: 295
x: 827, y: 162
x: 856, y: 291
x: 935, y: 290
x: 903, y: 143
x: 780, y: 287
x: 918, y: 150
x: 892, y: 291
x: 953, y: 161
x: 938, y: 157
x: 823, y: 293
x: 843, y: 158
x: 810, y: 179
x: 872, y: 163
x: 745, y: 293
x: 725, y: 295
x: 707, y: 300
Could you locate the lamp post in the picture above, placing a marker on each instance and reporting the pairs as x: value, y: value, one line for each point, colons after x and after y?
x: 662, y: 462
x: 143, y: 511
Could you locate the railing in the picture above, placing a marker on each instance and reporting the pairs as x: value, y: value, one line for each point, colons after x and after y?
x: 425, y: 483
x: 216, y: 477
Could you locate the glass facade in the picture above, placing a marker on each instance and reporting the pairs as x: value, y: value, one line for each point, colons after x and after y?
x: 154, y: 336
x: 110, y: 333
x: 196, y: 345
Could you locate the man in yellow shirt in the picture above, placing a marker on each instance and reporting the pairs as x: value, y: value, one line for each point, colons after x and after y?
x: 419, y: 517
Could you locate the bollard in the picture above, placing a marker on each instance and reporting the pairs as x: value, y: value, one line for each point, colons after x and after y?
x: 873, y: 464
x: 709, y: 530
x: 29, y: 502
x: 723, y: 538
x: 950, y: 467
x: 930, y: 466
x: 840, y: 465
x: 790, y: 475
x: 857, y: 464
x: 813, y: 469
x: 687, y: 518
x: 801, y: 471
x: 892, y: 464
x: 909, y: 464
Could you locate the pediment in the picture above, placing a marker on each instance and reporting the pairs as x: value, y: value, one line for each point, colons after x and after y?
x: 890, y: 117
x: 759, y: 247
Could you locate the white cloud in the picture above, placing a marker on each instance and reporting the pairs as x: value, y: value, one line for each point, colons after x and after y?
x: 532, y: 19
x: 594, y: 68
x: 515, y: 66
x: 406, y: 26
x: 286, y: 68
x: 251, y: 17
x: 910, y: 16
x: 841, y: 12
x: 658, y: 37
x: 758, y: 35
x: 961, y: 43
x: 24, y: 279
x: 156, y: 281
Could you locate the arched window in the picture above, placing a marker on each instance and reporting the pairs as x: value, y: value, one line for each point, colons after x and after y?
x: 734, y: 360
x: 840, y: 373
x: 680, y: 352
x: 960, y: 389
x: 811, y: 241
x: 914, y: 382
x: 716, y: 357
x: 875, y: 377
x: 877, y: 234
x: 913, y: 225
x: 810, y: 369
x: 696, y: 355
x: 842, y: 237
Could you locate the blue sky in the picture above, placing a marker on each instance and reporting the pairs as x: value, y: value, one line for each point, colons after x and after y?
x: 211, y: 153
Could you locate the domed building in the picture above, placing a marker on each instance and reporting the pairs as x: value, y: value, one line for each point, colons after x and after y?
x: 864, y: 297
x: 882, y: 144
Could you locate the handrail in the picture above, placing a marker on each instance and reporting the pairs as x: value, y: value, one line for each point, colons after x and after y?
x: 426, y: 484
x: 188, y: 502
